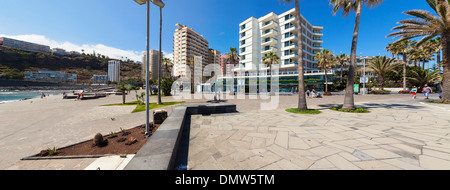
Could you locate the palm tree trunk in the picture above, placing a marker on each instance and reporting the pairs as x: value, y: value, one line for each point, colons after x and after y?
x: 160, y: 57
x: 301, y: 80
x: 381, y: 82
x: 326, y: 83
x: 404, y: 72
x: 438, y: 60
x: 342, y: 75
x: 446, y: 66
x: 349, y: 99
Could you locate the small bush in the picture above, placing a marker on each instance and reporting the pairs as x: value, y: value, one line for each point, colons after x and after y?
x: 309, y: 111
x: 380, y: 92
x: 358, y: 110
x: 437, y: 102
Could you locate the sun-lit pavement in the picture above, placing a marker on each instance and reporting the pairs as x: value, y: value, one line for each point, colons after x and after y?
x: 399, y: 133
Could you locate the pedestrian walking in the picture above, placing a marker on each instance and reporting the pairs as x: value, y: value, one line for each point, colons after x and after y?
x: 414, y: 92
x: 307, y: 93
x: 426, y: 91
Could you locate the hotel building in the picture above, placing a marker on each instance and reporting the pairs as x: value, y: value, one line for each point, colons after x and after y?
x: 186, y: 44
x: 154, y: 66
x: 28, y: 46
x: 278, y: 33
x: 50, y: 76
x: 114, y: 70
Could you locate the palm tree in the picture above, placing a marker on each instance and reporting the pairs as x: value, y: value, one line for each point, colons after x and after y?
x: 380, y: 66
x: 348, y: 6
x: 424, y: 77
x: 342, y: 59
x: 123, y: 89
x: 232, y: 58
x: 160, y: 56
x: 191, y: 64
x: 166, y: 62
x: 325, y: 60
x: 436, y: 45
x: 301, y: 75
x: 401, y: 49
x: 428, y: 26
x: 270, y: 59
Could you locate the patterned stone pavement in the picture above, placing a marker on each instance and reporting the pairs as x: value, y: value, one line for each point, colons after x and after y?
x: 400, y: 134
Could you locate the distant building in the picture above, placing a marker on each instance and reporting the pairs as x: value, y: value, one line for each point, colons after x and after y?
x: 74, y: 53
x: 50, y: 76
x: 101, y: 79
x: 114, y: 70
x: 22, y: 45
x: 226, y: 68
x: 214, y: 58
x: 59, y: 51
x: 153, y: 67
x: 186, y: 44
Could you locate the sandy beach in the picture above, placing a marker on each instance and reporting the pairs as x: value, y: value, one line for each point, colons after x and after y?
x: 32, y: 125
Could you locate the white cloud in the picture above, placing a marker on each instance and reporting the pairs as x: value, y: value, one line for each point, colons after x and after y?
x: 112, y: 52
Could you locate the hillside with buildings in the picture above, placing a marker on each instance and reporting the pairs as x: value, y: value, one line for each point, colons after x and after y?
x: 15, y: 63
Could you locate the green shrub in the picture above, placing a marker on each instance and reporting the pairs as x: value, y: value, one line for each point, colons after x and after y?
x: 357, y: 110
x: 309, y: 111
x: 380, y: 92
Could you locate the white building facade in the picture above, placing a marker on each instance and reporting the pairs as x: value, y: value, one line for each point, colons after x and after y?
x: 277, y: 33
x: 114, y: 70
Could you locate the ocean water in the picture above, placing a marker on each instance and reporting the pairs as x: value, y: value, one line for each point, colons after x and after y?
x: 12, y: 96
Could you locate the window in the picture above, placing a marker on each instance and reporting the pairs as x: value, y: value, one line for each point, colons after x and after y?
x: 287, y: 52
x: 287, y: 17
x: 286, y: 44
x: 242, y: 42
x: 287, y: 35
x: 243, y: 34
x: 243, y: 27
x: 243, y: 57
x: 242, y: 49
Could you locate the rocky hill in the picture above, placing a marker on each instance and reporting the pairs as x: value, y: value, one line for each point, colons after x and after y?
x: 14, y: 62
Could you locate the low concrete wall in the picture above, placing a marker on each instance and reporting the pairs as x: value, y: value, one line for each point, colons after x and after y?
x: 162, y: 151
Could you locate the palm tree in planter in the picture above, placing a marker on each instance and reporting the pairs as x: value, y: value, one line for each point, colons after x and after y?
x: 325, y: 60
x: 428, y: 26
x: 347, y: 7
x: 270, y: 59
x: 301, y: 74
x: 380, y: 66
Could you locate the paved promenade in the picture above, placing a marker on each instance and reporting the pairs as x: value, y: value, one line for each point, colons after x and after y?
x: 397, y: 134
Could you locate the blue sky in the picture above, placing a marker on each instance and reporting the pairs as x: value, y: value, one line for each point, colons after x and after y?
x: 117, y: 27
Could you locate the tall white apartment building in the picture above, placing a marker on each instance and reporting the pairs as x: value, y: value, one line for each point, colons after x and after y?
x: 186, y: 44
x: 277, y: 33
x: 114, y: 70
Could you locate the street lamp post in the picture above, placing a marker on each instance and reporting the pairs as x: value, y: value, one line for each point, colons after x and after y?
x: 159, y: 3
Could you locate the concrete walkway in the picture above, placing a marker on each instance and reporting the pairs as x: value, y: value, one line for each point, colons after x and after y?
x: 400, y: 133
x: 397, y: 134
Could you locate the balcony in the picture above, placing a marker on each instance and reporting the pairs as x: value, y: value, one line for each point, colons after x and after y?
x: 267, y: 50
x: 269, y: 33
x: 269, y: 24
x: 270, y: 41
